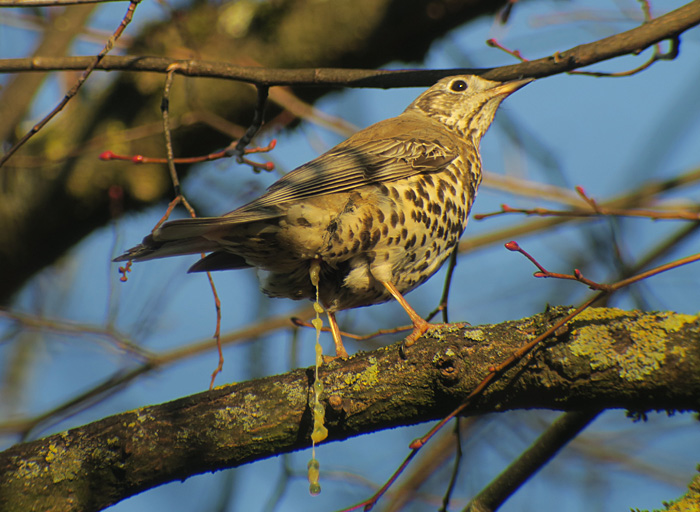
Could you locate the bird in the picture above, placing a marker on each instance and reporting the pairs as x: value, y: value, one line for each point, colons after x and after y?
x: 378, y: 214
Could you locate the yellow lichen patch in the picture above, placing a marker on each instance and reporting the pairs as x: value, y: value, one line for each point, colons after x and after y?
x: 602, y: 314
x: 679, y: 352
x: 27, y: 469
x: 475, y: 334
x: 52, y: 451
x: 224, y: 417
x: 440, y: 333
x: 294, y: 394
x: 63, y: 465
x: 674, y: 322
x: 637, y: 347
x: 364, y: 379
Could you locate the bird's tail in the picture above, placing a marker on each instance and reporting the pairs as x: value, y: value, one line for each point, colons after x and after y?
x: 175, y: 238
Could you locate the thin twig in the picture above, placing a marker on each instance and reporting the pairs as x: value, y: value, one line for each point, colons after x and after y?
x: 165, y: 112
x: 140, y: 159
x: 607, y: 288
x: 119, y: 341
x: 258, y: 117
x: 455, y: 467
x: 95, y: 61
x: 357, y: 337
x: 635, y: 197
x: 370, y: 502
x: 442, y: 306
x: 165, y: 109
x: 656, y: 56
x: 600, y: 212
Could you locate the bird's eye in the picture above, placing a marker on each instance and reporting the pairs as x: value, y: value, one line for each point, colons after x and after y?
x: 458, y: 85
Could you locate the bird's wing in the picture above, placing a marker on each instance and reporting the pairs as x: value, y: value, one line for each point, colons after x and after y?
x: 357, y: 162
x: 347, y: 168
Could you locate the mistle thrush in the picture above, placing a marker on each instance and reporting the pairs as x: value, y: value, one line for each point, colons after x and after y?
x: 380, y: 211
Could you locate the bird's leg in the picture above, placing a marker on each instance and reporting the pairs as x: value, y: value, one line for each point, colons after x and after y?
x: 419, y: 324
x: 315, y: 275
x: 337, y: 339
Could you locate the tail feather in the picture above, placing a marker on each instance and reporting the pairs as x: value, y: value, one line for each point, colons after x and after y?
x: 192, y: 236
x: 151, y: 249
x: 187, y: 228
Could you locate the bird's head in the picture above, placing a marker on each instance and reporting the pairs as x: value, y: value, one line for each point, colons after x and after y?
x: 465, y: 103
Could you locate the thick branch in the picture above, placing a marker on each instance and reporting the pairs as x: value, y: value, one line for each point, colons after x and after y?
x: 607, y: 358
x: 632, y: 41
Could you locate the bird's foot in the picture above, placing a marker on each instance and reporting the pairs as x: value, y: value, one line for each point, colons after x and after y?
x: 330, y: 359
x: 340, y: 353
x: 419, y: 329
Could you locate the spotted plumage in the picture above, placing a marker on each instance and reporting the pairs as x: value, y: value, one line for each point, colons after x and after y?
x: 381, y: 211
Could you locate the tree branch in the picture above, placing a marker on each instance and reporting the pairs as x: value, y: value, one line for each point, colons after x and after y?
x: 634, y: 41
x: 608, y: 358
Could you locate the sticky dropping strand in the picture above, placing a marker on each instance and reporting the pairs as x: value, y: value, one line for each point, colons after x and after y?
x: 320, y: 432
x: 314, y: 487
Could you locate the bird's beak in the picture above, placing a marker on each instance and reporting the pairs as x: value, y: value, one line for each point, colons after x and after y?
x: 507, y: 88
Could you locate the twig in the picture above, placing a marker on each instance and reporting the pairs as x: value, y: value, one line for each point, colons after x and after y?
x: 446, y: 289
x: 165, y: 111
x: 504, y: 14
x: 493, y: 43
x: 258, y: 117
x: 140, y: 159
x: 442, y: 450
x: 94, y: 62
x: 179, y: 197
x: 115, y: 338
x: 358, y: 337
x: 455, y: 467
x: 532, y: 189
x: 635, y: 197
x: 656, y: 56
x: 370, y: 502
x: 607, y: 288
x: 598, y: 212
